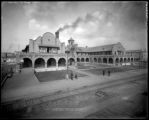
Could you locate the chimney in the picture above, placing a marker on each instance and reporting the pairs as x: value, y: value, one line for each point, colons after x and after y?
x: 57, y: 34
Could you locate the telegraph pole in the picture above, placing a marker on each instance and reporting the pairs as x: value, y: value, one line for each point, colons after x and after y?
x: 67, y: 64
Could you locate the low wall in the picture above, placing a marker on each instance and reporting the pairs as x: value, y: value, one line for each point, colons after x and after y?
x: 50, y: 69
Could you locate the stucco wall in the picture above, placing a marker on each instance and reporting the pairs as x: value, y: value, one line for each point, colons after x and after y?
x: 62, y: 48
x: 31, y: 45
x: 48, y: 39
x: 118, y: 47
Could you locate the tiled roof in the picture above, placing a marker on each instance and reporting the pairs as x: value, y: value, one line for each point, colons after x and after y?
x: 81, y: 49
x: 133, y: 50
x: 97, y: 48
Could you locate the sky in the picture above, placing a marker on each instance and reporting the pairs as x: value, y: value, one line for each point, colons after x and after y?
x: 88, y: 23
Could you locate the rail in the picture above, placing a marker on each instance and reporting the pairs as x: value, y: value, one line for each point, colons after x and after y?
x: 8, y: 75
x: 4, y: 80
x: 21, y: 103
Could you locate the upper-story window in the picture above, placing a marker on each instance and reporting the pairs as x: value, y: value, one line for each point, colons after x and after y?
x: 110, y: 52
x: 43, y: 50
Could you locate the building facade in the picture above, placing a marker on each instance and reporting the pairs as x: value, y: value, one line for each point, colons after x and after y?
x: 48, y: 52
x: 8, y: 57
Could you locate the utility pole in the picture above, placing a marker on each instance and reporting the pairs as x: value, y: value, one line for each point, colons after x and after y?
x: 67, y: 63
x: 71, y: 48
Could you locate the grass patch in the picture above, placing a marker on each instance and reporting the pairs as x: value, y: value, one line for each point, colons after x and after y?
x: 91, y: 66
x: 113, y: 69
x: 54, y: 75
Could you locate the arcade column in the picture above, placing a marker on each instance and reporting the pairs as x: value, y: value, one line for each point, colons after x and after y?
x: 108, y: 61
x: 33, y: 65
x: 57, y: 65
x: 101, y: 60
x: 66, y: 62
x: 45, y: 64
x: 113, y: 61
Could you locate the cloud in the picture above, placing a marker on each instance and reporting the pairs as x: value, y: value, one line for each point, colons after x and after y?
x: 61, y: 5
x: 91, y: 27
x: 37, y: 28
x: 91, y: 19
x: 34, y: 25
x: 45, y: 12
x: 79, y: 30
x: 109, y: 24
x: 89, y: 23
x: 133, y: 15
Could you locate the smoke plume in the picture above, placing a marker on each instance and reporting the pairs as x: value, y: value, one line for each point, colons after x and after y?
x: 90, y: 17
x: 73, y: 25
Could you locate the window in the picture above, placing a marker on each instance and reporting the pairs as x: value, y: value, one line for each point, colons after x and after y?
x: 43, y: 50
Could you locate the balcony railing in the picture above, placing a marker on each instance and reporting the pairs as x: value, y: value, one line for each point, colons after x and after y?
x: 42, y: 54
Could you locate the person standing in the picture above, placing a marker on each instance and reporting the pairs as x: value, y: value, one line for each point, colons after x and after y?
x: 71, y: 75
x: 76, y: 77
x: 11, y: 71
x: 109, y: 73
x: 103, y: 72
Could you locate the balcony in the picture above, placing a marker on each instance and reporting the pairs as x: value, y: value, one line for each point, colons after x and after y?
x: 41, y: 54
x: 101, y: 55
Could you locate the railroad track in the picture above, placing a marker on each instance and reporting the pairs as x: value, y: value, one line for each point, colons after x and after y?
x: 18, y: 104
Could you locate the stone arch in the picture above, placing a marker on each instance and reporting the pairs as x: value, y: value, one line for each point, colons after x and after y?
x: 71, y: 61
x: 128, y: 59
x: 62, y: 62
x: 116, y: 60
x: 51, y: 62
x: 137, y: 59
x: 121, y: 60
x: 99, y: 60
x: 111, y: 60
x: 78, y: 59
x: 39, y: 63
x: 82, y: 59
x: 125, y: 60
x: 27, y: 62
x: 104, y: 60
x: 87, y: 59
x: 95, y: 59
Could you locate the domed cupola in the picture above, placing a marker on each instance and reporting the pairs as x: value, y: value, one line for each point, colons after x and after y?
x: 71, y: 41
